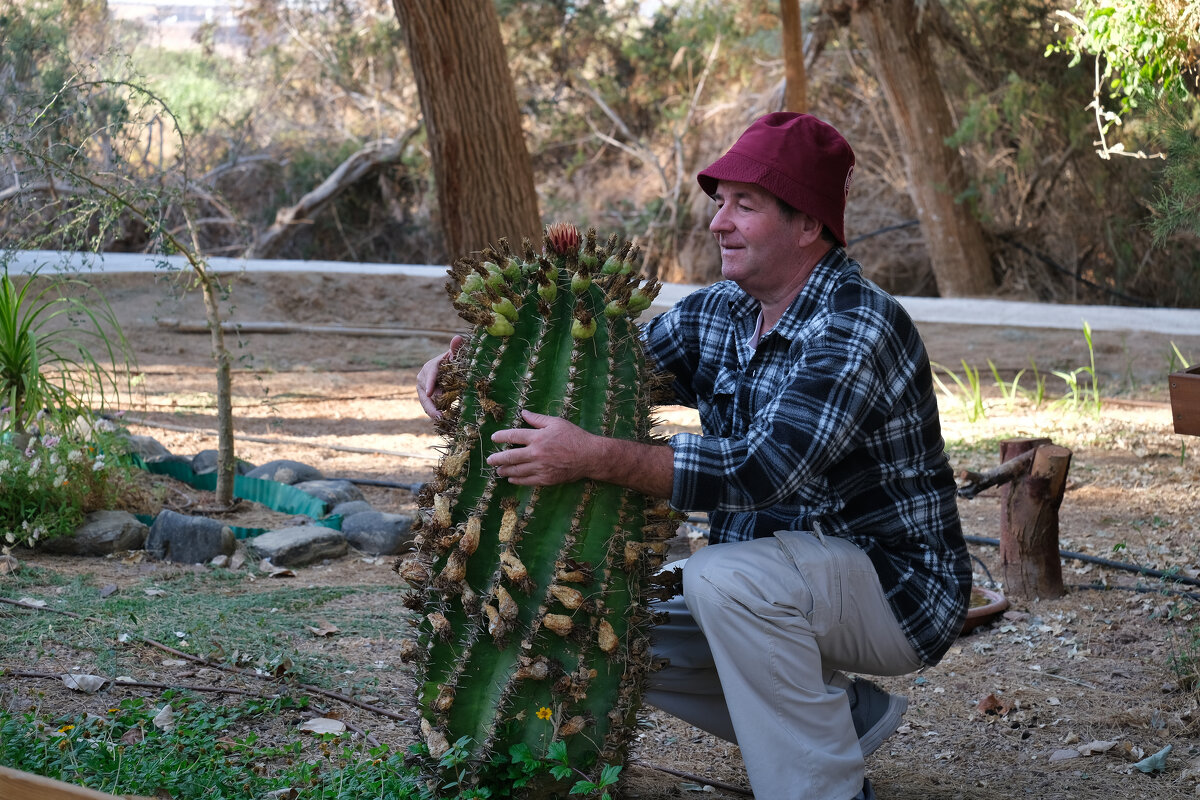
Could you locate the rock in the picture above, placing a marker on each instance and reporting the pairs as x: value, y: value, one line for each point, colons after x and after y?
x: 377, y: 533
x: 102, y: 533
x: 189, y: 540
x: 350, y: 508
x: 332, y: 492
x: 205, y: 462
x: 146, y: 446
x: 303, y: 544
x: 284, y: 471
x: 170, y: 458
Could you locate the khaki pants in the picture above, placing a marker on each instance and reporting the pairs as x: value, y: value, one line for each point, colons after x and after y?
x: 756, y: 647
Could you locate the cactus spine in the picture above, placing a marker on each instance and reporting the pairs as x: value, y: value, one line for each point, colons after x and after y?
x: 533, y: 601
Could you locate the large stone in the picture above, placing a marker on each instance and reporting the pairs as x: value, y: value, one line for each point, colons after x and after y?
x: 332, y: 492
x: 102, y: 533
x: 378, y: 533
x: 299, y: 545
x: 350, y: 508
x: 205, y: 462
x: 146, y: 446
x: 189, y: 540
x: 170, y: 458
x: 284, y: 471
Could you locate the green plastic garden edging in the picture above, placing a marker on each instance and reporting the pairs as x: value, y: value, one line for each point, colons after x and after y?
x: 275, y: 496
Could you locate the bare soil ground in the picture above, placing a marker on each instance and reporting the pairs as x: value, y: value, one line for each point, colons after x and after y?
x: 1093, y: 666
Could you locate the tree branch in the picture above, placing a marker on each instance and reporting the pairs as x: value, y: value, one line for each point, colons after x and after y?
x: 364, y: 163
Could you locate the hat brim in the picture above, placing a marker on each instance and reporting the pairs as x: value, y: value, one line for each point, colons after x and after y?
x: 740, y: 168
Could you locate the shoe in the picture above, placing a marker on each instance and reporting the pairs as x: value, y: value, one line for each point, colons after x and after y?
x: 867, y: 792
x: 875, y: 712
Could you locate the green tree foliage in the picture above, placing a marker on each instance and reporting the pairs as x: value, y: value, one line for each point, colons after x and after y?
x: 1143, y: 53
x: 1145, y: 57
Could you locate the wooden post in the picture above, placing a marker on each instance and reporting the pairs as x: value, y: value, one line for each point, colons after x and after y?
x: 15, y: 785
x: 1029, y: 520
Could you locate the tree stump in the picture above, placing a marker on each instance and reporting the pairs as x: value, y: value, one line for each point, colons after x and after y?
x: 1029, y: 506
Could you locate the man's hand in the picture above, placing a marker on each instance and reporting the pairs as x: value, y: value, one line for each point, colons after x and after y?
x: 553, y: 451
x: 550, y: 451
x: 427, y: 388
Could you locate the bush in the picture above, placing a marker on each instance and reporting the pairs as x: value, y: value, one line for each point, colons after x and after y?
x: 49, y: 482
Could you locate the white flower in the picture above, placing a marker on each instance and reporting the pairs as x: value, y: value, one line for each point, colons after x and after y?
x: 98, y: 465
x: 5, y: 466
x: 53, y: 458
x: 10, y: 538
x: 75, y: 456
x: 34, y: 466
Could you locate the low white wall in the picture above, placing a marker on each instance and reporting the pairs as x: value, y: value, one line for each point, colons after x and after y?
x: 1172, y: 321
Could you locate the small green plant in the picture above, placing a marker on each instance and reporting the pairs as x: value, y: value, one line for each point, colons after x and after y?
x: 60, y: 347
x: 1080, y: 396
x: 1009, y: 391
x: 968, y: 391
x: 1177, y: 356
x: 1039, y: 385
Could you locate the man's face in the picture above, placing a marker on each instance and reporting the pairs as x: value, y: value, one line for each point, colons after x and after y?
x: 759, y: 243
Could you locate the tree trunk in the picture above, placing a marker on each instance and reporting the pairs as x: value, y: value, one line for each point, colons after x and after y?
x: 1029, y: 506
x: 226, y: 458
x: 903, y: 62
x: 795, y: 92
x: 483, y: 171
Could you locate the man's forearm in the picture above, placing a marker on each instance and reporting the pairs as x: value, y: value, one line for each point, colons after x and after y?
x: 646, y: 468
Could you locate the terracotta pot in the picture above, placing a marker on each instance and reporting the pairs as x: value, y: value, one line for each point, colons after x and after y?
x: 993, y: 605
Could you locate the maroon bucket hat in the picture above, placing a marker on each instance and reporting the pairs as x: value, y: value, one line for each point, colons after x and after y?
x: 796, y: 157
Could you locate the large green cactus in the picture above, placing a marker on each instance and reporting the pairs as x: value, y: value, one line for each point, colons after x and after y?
x: 533, y: 601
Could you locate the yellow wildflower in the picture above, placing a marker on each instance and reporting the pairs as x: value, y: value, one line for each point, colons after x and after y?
x: 66, y: 728
x: 544, y: 713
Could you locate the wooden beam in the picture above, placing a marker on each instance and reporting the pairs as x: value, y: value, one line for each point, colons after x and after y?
x: 17, y: 785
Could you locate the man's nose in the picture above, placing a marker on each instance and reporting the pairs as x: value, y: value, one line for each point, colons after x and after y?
x: 720, y: 222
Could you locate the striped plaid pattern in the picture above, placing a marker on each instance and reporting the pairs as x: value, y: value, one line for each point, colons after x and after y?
x: 829, y: 425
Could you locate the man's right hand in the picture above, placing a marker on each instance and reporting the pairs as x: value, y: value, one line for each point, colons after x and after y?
x: 427, y: 388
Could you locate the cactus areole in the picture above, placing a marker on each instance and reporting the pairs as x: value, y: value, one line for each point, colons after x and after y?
x: 533, y: 621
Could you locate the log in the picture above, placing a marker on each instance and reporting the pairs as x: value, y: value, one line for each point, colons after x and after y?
x: 1029, y: 554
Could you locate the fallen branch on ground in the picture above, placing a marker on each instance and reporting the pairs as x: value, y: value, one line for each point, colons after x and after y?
x: 305, y: 687
x: 729, y: 787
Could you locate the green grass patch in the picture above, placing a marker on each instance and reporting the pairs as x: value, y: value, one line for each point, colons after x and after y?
x: 218, y: 615
x: 210, y: 752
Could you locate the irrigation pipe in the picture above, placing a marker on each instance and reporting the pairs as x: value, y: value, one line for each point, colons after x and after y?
x: 1104, y: 562
x: 344, y: 448
x: 260, y: 326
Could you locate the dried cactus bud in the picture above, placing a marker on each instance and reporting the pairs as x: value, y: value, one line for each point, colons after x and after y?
x: 572, y: 726
x: 571, y: 598
x: 559, y: 623
x: 606, y: 637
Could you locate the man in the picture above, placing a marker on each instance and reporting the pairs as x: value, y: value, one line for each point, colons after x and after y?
x: 835, y: 542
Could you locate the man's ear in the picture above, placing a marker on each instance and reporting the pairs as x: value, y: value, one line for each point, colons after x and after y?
x: 808, y: 229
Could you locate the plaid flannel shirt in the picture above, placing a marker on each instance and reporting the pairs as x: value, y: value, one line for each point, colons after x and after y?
x: 830, y: 425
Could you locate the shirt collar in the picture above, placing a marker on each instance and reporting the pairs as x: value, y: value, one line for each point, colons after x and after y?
x: 747, y: 310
